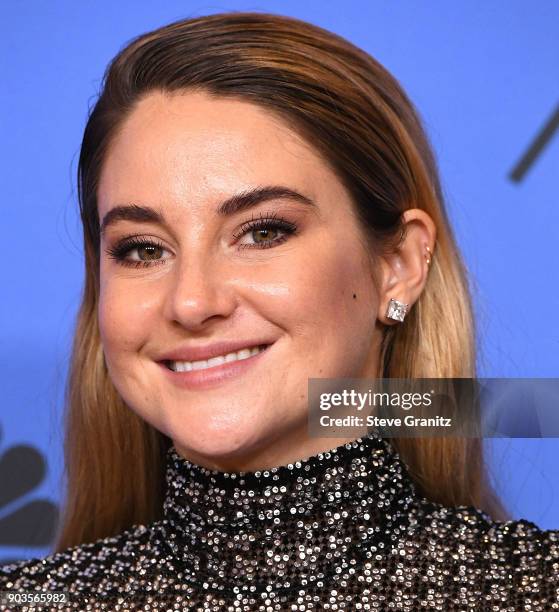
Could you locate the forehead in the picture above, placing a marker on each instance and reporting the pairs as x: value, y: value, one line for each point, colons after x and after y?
x: 196, y: 147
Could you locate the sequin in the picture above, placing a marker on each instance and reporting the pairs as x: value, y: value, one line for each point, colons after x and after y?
x: 343, y: 530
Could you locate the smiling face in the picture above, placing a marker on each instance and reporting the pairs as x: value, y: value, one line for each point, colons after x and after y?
x: 299, y: 281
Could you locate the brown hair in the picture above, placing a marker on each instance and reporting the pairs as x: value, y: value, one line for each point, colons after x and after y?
x: 368, y: 131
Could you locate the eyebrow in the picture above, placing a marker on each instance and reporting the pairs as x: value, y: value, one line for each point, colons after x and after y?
x: 236, y: 203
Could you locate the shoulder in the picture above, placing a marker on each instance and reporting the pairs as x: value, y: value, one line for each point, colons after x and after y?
x: 79, y: 568
x: 466, y: 521
x: 514, y: 556
x: 471, y: 526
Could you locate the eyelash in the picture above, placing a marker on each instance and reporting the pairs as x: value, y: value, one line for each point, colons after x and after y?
x: 270, y: 221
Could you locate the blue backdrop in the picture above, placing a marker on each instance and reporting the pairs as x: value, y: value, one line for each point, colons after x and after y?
x: 485, y: 78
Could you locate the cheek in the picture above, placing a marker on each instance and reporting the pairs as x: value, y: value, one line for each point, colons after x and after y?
x: 331, y: 300
x: 320, y: 308
x: 124, y: 316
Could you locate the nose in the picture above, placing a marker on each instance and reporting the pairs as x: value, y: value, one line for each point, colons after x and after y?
x: 200, y: 290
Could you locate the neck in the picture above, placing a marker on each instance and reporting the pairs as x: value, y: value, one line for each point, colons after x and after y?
x: 287, y: 521
x: 266, y: 454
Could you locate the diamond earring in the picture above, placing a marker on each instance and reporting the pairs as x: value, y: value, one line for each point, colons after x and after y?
x: 396, y: 310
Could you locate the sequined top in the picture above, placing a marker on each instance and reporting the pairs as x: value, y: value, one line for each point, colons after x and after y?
x: 342, y: 530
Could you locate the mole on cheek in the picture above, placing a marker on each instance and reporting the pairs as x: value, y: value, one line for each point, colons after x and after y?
x: 354, y: 296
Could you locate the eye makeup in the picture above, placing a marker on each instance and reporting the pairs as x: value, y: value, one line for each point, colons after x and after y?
x: 259, y: 226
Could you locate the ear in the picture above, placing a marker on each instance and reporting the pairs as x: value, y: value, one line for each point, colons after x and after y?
x: 404, y: 272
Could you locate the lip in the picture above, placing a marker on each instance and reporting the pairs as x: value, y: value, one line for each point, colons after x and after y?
x: 212, y: 377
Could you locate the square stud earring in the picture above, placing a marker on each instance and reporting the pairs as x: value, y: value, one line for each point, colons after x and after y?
x: 396, y: 310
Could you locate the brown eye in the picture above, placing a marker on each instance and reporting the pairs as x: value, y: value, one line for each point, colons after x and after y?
x: 138, y: 252
x: 265, y: 234
x: 151, y: 252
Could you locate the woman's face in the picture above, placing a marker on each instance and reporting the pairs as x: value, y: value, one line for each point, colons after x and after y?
x: 192, y: 277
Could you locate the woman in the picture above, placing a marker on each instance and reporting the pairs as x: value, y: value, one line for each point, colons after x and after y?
x: 261, y: 206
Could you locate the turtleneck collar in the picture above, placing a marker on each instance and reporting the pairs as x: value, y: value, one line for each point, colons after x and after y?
x: 242, y: 526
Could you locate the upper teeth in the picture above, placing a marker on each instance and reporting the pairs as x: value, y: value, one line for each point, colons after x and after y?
x: 187, y: 366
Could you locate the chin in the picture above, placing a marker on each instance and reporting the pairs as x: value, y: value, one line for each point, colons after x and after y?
x: 218, y: 442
